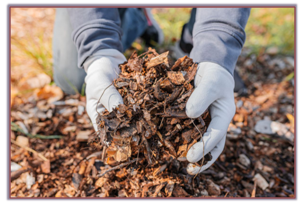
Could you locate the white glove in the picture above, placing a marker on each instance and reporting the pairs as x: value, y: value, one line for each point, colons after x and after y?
x: 102, y: 68
x: 214, y: 87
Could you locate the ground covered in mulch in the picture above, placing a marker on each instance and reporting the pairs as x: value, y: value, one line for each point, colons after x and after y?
x: 258, y: 159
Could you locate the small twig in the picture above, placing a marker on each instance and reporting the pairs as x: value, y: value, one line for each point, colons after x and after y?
x: 226, y: 194
x: 96, y: 107
x: 95, y: 154
x: 139, y: 147
x: 148, y: 150
x: 253, y: 195
x: 119, y: 166
x: 30, y: 149
x: 144, y: 53
x: 138, y: 154
x: 104, y: 152
x: 203, y: 148
x: 159, y: 135
x: 161, y: 123
x: 182, y: 91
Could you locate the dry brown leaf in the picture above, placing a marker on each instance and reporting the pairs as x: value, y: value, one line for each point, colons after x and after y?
x: 49, y: 93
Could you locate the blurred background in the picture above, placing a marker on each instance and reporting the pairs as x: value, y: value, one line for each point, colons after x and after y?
x: 269, y: 30
x: 259, y: 155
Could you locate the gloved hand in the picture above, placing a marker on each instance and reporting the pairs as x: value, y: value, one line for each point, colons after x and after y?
x: 214, y: 87
x: 102, y: 68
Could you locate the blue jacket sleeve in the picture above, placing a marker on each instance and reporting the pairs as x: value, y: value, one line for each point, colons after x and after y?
x: 95, y: 29
x: 218, y: 35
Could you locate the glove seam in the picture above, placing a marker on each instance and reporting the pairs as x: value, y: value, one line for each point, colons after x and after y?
x: 99, y: 56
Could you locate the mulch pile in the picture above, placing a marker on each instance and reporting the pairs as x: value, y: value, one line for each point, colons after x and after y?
x: 139, y: 150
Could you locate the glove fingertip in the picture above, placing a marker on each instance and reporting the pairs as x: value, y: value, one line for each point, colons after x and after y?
x: 114, y: 101
x: 192, y: 169
x: 191, y: 111
x: 111, y: 98
x: 195, y: 153
x: 191, y: 157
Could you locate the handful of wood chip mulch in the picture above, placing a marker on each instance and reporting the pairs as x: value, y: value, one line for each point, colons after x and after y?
x: 146, y: 139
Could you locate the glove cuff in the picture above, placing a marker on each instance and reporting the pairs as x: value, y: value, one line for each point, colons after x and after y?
x: 115, y: 56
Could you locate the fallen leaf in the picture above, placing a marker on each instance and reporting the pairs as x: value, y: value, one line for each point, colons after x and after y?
x: 260, y: 181
x: 34, y: 82
x: 22, y: 141
x: 49, y: 93
x: 45, y: 167
x: 291, y: 119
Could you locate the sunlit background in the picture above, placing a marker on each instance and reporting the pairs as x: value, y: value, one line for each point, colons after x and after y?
x: 268, y: 30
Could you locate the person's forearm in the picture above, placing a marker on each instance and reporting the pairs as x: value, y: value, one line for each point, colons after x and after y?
x: 218, y: 35
x: 95, y: 29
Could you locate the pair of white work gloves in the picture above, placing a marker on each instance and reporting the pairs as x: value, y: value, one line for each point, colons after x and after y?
x: 213, y: 89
